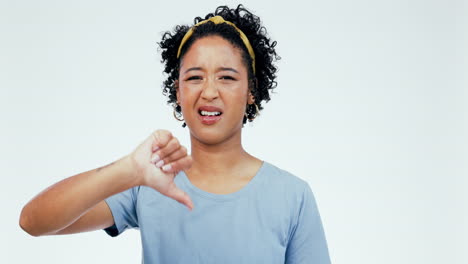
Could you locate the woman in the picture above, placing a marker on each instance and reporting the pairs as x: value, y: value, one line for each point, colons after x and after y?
x: 241, y: 209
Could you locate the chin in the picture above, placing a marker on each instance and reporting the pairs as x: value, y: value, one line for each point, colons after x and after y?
x: 207, y: 137
x: 213, y: 135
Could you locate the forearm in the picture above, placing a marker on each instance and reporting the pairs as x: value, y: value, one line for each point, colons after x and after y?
x: 64, y: 202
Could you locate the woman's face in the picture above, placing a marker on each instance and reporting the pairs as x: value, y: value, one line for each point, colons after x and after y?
x: 213, y: 89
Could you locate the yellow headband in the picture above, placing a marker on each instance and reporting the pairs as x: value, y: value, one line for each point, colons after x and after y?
x: 219, y: 20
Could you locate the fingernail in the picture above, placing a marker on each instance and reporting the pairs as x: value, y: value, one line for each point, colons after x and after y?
x: 155, y: 149
x: 155, y: 159
x: 166, y: 167
x: 160, y: 163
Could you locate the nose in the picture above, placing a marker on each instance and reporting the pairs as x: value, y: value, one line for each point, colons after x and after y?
x: 210, y: 90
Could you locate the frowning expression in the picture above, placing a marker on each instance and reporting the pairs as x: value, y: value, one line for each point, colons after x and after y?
x: 213, y: 89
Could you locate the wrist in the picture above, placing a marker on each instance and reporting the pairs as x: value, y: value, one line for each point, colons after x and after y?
x: 131, y: 170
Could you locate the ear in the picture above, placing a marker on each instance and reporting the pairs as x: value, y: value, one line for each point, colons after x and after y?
x: 253, y: 84
x: 250, y: 99
x: 176, y: 85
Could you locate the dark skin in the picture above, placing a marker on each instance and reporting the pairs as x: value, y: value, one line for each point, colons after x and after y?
x: 213, y: 73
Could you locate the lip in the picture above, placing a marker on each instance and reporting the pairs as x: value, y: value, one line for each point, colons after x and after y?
x: 209, y: 120
x: 210, y: 108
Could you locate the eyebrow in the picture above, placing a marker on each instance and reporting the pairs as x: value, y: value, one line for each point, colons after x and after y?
x: 227, y: 69
x: 219, y: 69
x: 193, y: 69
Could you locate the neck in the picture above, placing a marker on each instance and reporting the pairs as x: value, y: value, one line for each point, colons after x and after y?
x: 217, y: 160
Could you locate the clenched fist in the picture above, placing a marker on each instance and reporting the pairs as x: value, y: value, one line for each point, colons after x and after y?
x: 157, y: 161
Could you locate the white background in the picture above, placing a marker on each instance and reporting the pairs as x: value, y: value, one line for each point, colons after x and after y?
x: 371, y: 110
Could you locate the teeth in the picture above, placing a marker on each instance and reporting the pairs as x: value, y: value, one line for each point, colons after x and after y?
x: 206, y: 113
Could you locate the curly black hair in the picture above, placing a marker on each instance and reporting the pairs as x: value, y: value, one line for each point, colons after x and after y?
x: 265, y: 73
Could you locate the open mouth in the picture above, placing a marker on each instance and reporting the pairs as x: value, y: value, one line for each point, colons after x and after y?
x: 209, y: 114
x: 208, y: 110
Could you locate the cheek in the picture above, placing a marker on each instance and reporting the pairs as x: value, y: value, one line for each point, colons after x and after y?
x: 186, y: 95
x: 237, y: 100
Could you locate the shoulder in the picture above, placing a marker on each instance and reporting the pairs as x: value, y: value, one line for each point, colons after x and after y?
x: 282, y: 177
x: 289, y: 191
x: 286, y: 185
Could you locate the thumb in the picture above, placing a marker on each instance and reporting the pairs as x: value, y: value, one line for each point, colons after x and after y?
x: 180, y: 196
x: 160, y: 138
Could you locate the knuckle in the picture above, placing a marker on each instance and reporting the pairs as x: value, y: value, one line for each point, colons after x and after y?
x: 160, y: 153
x: 163, y: 135
x: 184, y: 150
x: 174, y: 143
x: 175, y: 166
x: 163, y: 131
x: 188, y: 165
x: 167, y: 133
x: 187, y: 160
x: 157, y: 137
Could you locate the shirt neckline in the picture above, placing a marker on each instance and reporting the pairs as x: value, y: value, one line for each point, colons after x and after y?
x: 225, y: 197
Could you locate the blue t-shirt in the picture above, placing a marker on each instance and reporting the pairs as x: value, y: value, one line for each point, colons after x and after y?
x: 272, y: 219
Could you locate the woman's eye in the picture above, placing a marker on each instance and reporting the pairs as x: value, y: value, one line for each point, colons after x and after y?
x: 194, y: 78
x: 227, y: 78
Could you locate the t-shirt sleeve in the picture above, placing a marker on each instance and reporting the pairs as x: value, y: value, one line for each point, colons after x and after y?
x: 123, y: 209
x: 307, y: 243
